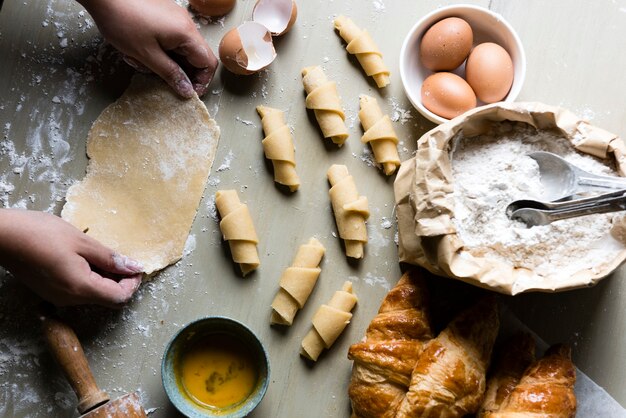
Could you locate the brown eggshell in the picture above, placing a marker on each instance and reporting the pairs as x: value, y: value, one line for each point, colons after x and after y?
x: 212, y: 7
x: 447, y: 95
x: 489, y: 71
x: 446, y: 44
x: 277, y: 15
x: 232, y: 48
x: 232, y: 54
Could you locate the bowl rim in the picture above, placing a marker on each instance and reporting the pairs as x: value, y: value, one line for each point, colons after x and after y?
x: 169, y: 391
x: 442, y: 13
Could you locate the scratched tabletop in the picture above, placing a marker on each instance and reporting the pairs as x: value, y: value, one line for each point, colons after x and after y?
x: 57, y: 75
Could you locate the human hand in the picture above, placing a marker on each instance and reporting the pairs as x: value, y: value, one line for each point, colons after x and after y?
x: 149, y: 33
x: 55, y: 260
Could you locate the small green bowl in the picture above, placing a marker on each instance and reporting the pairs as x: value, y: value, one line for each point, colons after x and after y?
x: 187, y: 336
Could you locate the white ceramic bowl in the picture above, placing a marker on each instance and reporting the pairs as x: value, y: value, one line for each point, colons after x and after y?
x: 487, y: 26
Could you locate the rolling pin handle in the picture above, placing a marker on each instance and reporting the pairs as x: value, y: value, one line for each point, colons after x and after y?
x: 69, y: 355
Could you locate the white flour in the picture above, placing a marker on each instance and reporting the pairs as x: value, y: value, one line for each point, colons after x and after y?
x: 492, y: 171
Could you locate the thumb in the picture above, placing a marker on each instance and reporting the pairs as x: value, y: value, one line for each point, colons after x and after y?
x: 109, y: 293
x: 108, y: 260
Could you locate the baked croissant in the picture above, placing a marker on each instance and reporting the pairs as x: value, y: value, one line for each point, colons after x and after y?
x: 384, y: 361
x: 546, y: 390
x: 448, y: 379
x: 515, y: 356
x: 400, y: 371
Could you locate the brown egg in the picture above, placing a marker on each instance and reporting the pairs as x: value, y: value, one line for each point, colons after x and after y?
x: 446, y: 44
x: 489, y: 71
x: 277, y: 15
x: 212, y: 7
x: 447, y: 95
x: 247, y: 48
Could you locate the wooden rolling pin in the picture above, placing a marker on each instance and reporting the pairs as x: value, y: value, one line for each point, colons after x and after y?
x: 92, y: 402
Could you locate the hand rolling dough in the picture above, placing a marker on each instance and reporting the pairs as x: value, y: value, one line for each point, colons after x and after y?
x: 379, y: 133
x: 322, y: 97
x: 351, y: 210
x: 329, y: 322
x: 278, y: 147
x: 361, y: 44
x: 150, y: 156
x: 237, y: 227
x: 297, y: 282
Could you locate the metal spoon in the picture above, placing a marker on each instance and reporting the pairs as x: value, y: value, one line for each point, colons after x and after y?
x: 562, y: 179
x: 534, y: 212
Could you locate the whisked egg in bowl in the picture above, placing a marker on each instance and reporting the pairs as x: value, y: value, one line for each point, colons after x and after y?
x: 215, y: 366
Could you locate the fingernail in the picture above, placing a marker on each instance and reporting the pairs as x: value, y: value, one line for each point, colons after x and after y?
x: 125, y: 263
x: 201, y: 89
x: 137, y: 283
x: 184, y: 87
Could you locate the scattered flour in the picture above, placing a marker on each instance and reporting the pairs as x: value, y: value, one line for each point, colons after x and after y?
x: 228, y: 160
x: 211, y: 208
x: 190, y: 245
x: 492, y: 171
x: 366, y: 157
x: 372, y: 280
x: 245, y: 121
x: 399, y: 114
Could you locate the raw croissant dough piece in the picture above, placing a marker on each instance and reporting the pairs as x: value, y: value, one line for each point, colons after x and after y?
x: 237, y: 227
x: 384, y: 361
x: 297, y: 282
x: 379, y: 133
x: 150, y: 155
x: 278, y: 147
x: 351, y: 210
x: 329, y: 322
x: 361, y: 44
x: 544, y: 390
x: 322, y: 97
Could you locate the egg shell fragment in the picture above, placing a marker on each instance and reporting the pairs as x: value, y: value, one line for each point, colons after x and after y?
x: 447, y: 95
x: 212, y: 8
x: 489, y: 71
x: 446, y: 44
x: 247, y: 48
x: 276, y: 15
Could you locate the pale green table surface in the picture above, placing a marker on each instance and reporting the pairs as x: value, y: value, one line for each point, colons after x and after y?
x: 56, y: 77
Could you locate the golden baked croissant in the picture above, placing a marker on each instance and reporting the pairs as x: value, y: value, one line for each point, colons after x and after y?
x: 383, y: 362
x: 449, y: 380
x: 546, y: 390
x: 515, y: 356
x: 398, y: 372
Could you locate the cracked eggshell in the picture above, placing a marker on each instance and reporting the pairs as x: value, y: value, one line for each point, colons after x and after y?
x: 212, y: 8
x: 276, y: 15
x: 247, y: 48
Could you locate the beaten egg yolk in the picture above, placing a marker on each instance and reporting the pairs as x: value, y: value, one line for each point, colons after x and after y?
x: 218, y: 371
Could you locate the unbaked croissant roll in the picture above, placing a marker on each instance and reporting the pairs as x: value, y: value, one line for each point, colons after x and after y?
x: 379, y: 133
x: 278, y: 147
x: 448, y: 379
x: 515, y: 356
x: 237, y: 227
x: 323, y: 99
x: 546, y: 390
x: 297, y: 282
x: 351, y: 210
x: 361, y: 44
x: 329, y: 322
x: 384, y: 361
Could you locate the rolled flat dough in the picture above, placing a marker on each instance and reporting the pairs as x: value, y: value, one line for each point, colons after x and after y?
x: 150, y: 156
